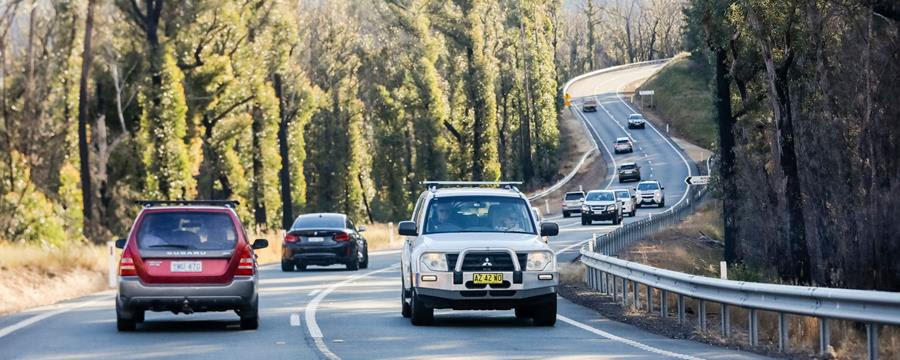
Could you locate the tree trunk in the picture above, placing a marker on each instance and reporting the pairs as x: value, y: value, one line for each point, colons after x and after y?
x: 86, y: 194
x: 287, y: 203
x: 258, y: 200
x: 726, y: 156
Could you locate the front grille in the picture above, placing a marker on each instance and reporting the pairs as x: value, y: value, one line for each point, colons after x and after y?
x: 488, y: 261
x: 474, y: 260
x: 472, y: 285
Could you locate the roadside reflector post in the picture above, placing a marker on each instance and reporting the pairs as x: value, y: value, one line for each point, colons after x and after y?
x: 723, y: 270
x: 111, y: 270
x: 667, y: 128
x: 391, y: 234
x: 593, y: 243
x: 546, y: 207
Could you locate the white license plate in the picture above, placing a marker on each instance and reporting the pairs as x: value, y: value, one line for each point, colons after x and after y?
x: 186, y: 266
x: 315, y: 239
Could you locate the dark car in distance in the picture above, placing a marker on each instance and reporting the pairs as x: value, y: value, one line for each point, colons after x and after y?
x: 629, y: 171
x: 324, y: 239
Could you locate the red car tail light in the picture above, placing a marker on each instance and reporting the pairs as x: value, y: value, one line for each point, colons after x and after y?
x: 342, y: 236
x: 290, y: 238
x: 245, y: 266
x: 126, y: 265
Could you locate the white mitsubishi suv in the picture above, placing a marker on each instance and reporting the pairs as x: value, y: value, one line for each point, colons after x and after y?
x: 477, y: 246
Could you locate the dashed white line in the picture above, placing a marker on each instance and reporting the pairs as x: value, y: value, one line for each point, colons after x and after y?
x: 314, y: 292
x: 295, y: 319
x: 59, y: 310
x: 625, y: 341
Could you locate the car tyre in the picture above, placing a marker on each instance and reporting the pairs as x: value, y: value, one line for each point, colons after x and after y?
x: 662, y: 204
x: 353, y: 265
x: 545, y: 315
x: 420, y: 315
x: 565, y: 214
x: 365, y: 263
x: 301, y: 267
x: 286, y: 266
x: 405, y: 308
x: 585, y: 221
x: 250, y: 315
x: 125, y: 319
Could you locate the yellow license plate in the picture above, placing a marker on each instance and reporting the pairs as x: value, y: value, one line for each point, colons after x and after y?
x: 487, y: 278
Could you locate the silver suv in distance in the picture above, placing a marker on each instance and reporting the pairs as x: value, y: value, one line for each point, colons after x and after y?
x: 474, y: 247
x: 572, y: 202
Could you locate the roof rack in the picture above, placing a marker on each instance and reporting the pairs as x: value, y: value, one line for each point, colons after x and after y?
x: 434, y: 185
x: 151, y: 203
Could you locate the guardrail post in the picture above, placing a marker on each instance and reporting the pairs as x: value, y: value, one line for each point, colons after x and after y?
x: 649, y: 299
x: 663, y: 303
x: 754, y: 328
x: 637, y: 294
x: 782, y: 333
x: 680, y: 309
x: 625, y: 292
x: 872, y: 340
x: 593, y: 242
x: 726, y: 321
x: 824, y: 335
x: 701, y: 314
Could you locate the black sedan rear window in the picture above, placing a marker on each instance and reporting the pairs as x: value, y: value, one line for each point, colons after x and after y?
x: 187, y: 230
x: 319, y: 222
x: 628, y: 166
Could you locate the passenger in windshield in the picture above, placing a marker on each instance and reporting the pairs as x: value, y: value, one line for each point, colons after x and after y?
x: 508, y: 221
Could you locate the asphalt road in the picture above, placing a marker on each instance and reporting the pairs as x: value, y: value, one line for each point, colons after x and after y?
x: 333, y: 313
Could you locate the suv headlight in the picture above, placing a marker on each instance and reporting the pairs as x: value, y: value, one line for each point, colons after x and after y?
x: 538, y: 261
x: 611, y: 207
x: 585, y: 208
x: 434, y: 261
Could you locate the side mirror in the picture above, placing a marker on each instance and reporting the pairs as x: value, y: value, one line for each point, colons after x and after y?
x: 260, y: 244
x: 361, y: 229
x: 120, y: 243
x: 662, y: 187
x: 407, y: 228
x: 549, y: 229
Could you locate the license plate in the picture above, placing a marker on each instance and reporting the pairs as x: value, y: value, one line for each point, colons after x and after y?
x: 487, y: 278
x: 315, y: 239
x: 187, y: 266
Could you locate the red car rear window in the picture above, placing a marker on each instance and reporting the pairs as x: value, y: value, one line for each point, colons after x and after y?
x: 187, y: 230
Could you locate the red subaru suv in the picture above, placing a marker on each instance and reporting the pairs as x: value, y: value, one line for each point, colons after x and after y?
x: 186, y: 257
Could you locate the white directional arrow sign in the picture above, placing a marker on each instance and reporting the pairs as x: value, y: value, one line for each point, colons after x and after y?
x: 697, y: 180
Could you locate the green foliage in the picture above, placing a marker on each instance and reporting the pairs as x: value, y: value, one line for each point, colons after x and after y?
x: 684, y: 97
x: 163, y: 131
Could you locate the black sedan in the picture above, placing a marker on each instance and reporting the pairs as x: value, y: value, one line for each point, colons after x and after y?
x: 324, y: 239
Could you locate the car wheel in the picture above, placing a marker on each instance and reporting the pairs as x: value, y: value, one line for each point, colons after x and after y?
x: 524, y: 312
x: 565, y: 214
x: 353, y: 265
x: 138, y: 315
x: 405, y: 308
x: 633, y: 211
x: 250, y: 315
x: 301, y: 267
x: 365, y: 262
x: 545, y: 315
x: 420, y: 315
x: 662, y: 204
x: 620, y: 180
x: 585, y: 221
x: 286, y: 266
x: 125, y: 320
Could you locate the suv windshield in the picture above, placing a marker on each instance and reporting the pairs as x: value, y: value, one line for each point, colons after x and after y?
x: 600, y: 196
x: 648, y: 186
x: 623, y: 194
x: 635, y: 116
x: 187, y: 230
x: 478, y: 214
x: 574, y: 196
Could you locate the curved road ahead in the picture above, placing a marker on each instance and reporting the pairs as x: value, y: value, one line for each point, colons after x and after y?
x: 331, y: 313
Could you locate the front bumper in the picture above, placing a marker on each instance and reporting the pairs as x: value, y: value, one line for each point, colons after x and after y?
x: 444, y: 293
x: 446, y: 299
x: 649, y: 200
x: 636, y: 124
x: 195, y: 297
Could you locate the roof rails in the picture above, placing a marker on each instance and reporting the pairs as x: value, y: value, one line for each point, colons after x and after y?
x: 151, y: 203
x: 434, y: 185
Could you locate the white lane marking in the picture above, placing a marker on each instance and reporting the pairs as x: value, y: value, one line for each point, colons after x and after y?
x: 312, y: 326
x: 314, y: 292
x: 583, y: 117
x: 625, y: 341
x: 570, y: 247
x: 384, y: 252
x: 613, y: 119
x: 62, y: 309
x: 295, y: 319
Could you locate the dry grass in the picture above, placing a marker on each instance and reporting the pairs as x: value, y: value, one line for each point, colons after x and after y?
x: 693, y: 247
x: 32, y: 276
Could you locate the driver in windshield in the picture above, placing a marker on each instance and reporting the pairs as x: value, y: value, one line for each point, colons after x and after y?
x: 508, y: 221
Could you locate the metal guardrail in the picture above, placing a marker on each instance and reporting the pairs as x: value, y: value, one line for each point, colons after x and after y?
x: 614, y: 276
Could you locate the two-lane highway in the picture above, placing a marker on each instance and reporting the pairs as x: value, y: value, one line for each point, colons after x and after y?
x: 332, y: 313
